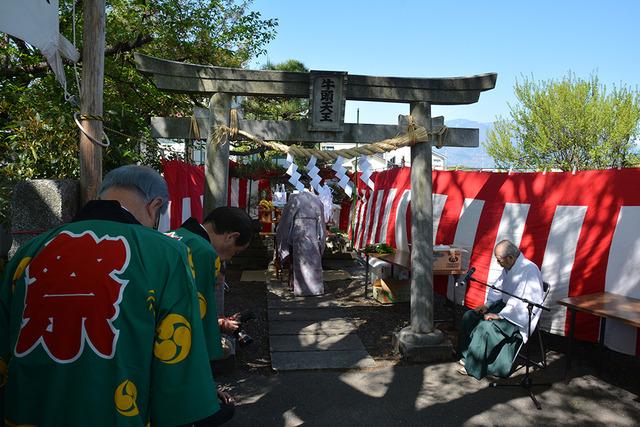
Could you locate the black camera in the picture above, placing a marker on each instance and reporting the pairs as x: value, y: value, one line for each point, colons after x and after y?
x: 243, y: 317
x: 243, y: 338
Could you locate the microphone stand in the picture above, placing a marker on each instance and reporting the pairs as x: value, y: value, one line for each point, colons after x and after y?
x: 526, y: 380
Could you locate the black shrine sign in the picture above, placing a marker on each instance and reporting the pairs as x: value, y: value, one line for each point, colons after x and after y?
x: 326, y: 100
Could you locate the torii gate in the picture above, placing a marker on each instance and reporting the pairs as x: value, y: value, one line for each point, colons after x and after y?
x: 421, y: 340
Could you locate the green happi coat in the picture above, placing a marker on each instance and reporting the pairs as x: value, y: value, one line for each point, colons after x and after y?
x: 207, y: 267
x: 100, y: 326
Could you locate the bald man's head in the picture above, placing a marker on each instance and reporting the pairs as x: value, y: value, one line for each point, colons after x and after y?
x: 506, y: 253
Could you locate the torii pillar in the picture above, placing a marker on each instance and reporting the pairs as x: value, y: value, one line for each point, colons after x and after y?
x: 217, y: 167
x: 421, y: 341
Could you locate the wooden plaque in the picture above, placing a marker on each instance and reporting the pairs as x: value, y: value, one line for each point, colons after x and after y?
x: 326, y: 100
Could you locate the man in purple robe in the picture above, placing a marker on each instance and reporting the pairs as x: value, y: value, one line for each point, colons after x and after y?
x: 301, y: 234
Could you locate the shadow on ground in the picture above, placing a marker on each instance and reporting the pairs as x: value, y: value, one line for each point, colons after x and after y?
x: 429, y: 395
x: 396, y: 392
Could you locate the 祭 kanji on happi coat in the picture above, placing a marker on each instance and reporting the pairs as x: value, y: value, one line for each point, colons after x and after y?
x: 72, y: 285
x: 253, y: 213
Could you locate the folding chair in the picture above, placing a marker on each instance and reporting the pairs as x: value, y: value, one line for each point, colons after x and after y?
x: 542, y: 363
x: 528, y: 362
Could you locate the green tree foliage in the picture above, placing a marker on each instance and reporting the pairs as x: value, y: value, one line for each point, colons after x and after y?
x: 38, y: 138
x: 264, y: 108
x: 267, y: 108
x: 566, y: 124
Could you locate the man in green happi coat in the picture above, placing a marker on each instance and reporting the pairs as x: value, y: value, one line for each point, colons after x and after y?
x: 491, y: 334
x: 225, y: 232
x: 99, y: 319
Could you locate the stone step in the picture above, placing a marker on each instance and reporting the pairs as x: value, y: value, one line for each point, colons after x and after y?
x: 327, y: 359
x: 263, y: 275
x: 312, y: 342
x: 307, y: 303
x: 306, y: 314
x: 301, y: 327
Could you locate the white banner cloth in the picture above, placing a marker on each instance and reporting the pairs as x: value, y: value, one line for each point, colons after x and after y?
x: 36, y: 22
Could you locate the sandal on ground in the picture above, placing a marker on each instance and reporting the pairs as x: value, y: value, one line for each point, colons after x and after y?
x: 462, y: 371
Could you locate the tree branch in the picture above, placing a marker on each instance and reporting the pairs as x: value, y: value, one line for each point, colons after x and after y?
x: 42, y: 67
x: 8, y: 71
x: 35, y: 70
x: 22, y: 46
x: 141, y: 40
x: 257, y: 150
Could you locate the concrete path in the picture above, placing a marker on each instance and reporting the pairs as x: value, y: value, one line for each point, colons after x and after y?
x: 431, y: 395
x: 269, y: 275
x: 311, y: 333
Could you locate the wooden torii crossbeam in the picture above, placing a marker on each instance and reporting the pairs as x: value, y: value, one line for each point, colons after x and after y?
x: 203, y: 79
x: 421, y: 340
x: 297, y: 130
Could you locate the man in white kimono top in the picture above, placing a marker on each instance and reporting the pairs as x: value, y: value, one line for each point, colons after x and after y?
x: 491, y: 334
x: 301, y: 235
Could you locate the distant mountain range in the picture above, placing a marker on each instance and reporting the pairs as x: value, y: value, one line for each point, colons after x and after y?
x: 469, y: 157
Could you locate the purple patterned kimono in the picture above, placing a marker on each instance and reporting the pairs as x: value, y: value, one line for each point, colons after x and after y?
x: 301, y: 234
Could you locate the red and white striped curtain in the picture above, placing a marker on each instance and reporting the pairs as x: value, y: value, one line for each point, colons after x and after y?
x: 186, y: 185
x: 582, y: 230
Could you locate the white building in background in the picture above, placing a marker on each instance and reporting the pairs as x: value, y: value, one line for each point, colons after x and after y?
x: 176, y: 148
x: 399, y: 157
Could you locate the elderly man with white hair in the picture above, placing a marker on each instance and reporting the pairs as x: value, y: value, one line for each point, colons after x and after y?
x: 491, y: 334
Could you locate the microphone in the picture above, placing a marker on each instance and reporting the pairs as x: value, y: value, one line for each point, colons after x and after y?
x: 468, y: 275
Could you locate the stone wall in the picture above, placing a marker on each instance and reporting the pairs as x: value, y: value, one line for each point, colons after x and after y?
x: 39, y: 205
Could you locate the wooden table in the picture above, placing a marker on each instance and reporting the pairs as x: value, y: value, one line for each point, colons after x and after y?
x: 604, y: 305
x: 403, y: 259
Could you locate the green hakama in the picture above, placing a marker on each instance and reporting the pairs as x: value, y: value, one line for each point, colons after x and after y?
x: 488, y: 347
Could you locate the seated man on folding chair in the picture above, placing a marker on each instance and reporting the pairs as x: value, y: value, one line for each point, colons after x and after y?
x: 491, y: 335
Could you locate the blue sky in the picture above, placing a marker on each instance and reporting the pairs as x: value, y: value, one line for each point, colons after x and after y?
x: 536, y: 38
